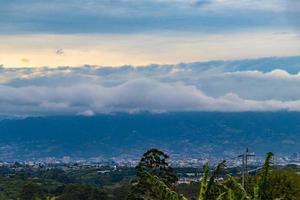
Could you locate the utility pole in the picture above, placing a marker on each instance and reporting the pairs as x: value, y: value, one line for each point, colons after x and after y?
x: 245, y: 157
x: 243, y: 168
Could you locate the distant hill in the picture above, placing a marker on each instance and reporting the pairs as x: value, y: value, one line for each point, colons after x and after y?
x: 186, y: 134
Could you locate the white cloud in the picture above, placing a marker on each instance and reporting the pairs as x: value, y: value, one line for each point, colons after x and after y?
x: 87, y: 113
x: 274, y: 74
x: 131, y: 96
x: 211, y: 86
x: 268, y: 5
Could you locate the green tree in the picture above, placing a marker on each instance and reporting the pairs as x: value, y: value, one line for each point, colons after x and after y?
x: 283, y: 183
x: 154, y: 162
x: 82, y: 192
x: 32, y: 191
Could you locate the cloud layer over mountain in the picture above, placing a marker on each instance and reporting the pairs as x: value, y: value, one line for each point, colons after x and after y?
x: 269, y: 84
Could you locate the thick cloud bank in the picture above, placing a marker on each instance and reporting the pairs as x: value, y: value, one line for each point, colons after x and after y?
x: 249, y: 85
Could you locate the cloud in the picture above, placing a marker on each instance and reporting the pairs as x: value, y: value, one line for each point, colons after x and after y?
x: 131, y: 96
x: 87, y: 113
x: 59, y: 52
x: 274, y: 74
x: 25, y: 60
x: 130, y: 16
x: 227, y: 86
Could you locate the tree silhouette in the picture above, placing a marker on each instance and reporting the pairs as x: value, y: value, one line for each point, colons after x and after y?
x: 154, y: 162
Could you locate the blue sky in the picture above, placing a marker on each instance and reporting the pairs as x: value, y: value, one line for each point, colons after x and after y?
x: 118, y: 32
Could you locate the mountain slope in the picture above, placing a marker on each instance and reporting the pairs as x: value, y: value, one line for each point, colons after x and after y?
x: 193, y: 134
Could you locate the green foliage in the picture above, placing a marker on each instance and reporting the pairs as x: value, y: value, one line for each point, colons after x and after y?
x: 32, y: 191
x: 213, y: 189
x: 207, y: 186
x: 264, y: 182
x: 235, y: 191
x: 283, y: 183
x: 155, y: 162
x: 80, y: 192
x: 203, y: 183
x: 189, y: 190
x: 57, y: 175
x: 267, y: 186
x: 153, y: 182
x: 160, y: 189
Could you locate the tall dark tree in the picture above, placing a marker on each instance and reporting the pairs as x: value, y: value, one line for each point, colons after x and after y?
x: 153, y: 162
x: 156, y: 163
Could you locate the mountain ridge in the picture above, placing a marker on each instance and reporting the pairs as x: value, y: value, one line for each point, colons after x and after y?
x: 196, y: 134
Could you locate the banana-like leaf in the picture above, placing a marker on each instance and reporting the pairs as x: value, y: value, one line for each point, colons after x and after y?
x: 203, y: 183
x: 162, y: 191
x: 214, y: 175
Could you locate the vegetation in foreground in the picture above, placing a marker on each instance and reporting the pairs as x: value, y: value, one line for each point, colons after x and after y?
x: 154, y: 179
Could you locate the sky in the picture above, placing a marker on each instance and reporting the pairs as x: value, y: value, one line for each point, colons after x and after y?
x: 54, y: 33
x: 86, y: 57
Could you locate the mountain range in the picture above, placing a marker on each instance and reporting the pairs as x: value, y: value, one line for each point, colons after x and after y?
x: 183, y: 134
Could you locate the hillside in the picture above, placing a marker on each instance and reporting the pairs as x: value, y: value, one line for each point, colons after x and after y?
x: 194, y: 134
